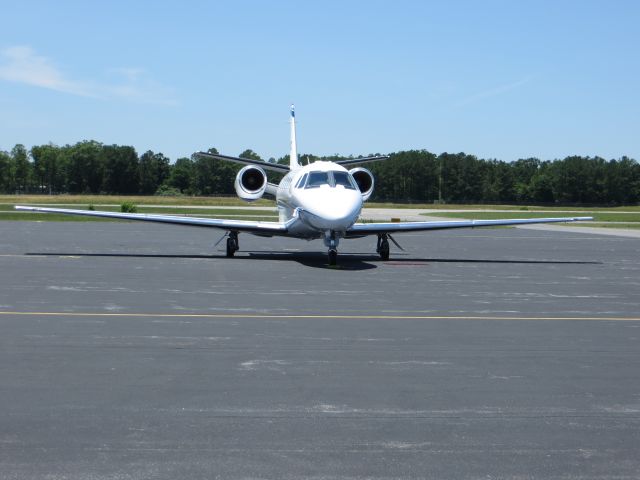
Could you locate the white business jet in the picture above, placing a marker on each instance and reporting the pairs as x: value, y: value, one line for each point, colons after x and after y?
x: 318, y: 200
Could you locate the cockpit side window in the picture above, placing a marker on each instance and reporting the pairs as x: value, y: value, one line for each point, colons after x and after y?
x: 317, y: 179
x: 344, y: 179
x: 303, y: 179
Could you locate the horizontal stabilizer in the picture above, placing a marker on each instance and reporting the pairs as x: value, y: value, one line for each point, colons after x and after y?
x: 358, y: 161
x: 275, y: 167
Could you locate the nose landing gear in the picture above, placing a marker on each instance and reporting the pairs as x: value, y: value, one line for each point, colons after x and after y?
x: 331, y: 241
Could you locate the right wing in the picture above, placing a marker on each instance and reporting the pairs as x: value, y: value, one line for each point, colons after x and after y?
x: 362, y: 229
x: 276, y: 167
x: 260, y: 228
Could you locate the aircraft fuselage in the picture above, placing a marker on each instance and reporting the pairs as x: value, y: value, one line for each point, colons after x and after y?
x: 324, y: 199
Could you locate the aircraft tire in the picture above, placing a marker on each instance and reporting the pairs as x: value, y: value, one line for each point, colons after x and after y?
x: 232, y: 246
x: 384, y: 249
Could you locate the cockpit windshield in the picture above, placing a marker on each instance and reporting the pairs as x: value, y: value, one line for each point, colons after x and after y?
x: 344, y: 179
x: 302, y: 180
x: 331, y: 178
x: 317, y: 179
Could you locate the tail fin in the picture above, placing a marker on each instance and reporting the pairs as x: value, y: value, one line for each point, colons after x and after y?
x: 293, y: 155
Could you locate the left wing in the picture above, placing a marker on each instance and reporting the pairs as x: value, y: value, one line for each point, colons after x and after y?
x: 362, y: 229
x: 260, y: 228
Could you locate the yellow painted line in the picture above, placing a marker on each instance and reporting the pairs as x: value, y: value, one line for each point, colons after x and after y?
x: 303, y: 316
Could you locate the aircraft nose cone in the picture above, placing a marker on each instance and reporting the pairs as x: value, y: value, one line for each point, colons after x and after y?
x: 335, y: 212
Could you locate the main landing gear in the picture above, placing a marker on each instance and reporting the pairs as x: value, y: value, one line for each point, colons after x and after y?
x: 232, y: 244
x: 383, y: 246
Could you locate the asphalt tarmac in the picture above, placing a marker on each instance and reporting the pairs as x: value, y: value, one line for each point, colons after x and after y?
x: 137, y: 351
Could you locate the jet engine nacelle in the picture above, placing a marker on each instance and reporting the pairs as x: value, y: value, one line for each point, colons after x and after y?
x: 251, y: 182
x: 364, y: 179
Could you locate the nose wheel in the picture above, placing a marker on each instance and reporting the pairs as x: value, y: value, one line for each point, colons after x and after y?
x: 383, y: 246
x: 331, y: 240
x: 232, y: 244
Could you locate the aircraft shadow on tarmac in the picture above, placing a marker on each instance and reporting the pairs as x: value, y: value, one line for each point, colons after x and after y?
x: 359, y: 261
x: 309, y: 259
x: 346, y: 261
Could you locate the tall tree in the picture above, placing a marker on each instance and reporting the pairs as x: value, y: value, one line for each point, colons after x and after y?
x: 498, y: 184
x: 153, y: 170
x: 7, y: 173
x: 462, y: 177
x: 213, y: 176
x: 250, y: 154
x: 182, y: 175
x: 541, y: 185
x: 409, y: 176
x: 85, y: 167
x: 22, y: 167
x: 46, y: 166
x: 121, y: 169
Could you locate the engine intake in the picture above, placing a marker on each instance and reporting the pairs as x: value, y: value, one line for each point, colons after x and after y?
x: 251, y: 183
x: 364, y: 180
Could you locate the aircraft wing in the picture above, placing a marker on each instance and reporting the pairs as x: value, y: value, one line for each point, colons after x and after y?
x: 276, y: 167
x: 362, y: 229
x: 357, y: 161
x: 260, y: 228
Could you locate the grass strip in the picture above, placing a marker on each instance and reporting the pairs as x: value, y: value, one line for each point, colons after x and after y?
x: 55, y: 217
x: 597, y: 215
x: 234, y: 201
x: 119, y: 199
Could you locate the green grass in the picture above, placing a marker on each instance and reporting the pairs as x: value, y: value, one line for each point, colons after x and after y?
x: 162, y: 210
x: 209, y: 207
x: 120, y: 199
x: 597, y: 215
x: 53, y: 217
x: 192, y: 206
x: 524, y: 208
x: 602, y: 219
x: 234, y: 201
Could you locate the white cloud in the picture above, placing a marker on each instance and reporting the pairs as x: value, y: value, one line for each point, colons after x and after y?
x: 135, y: 84
x: 493, y: 92
x: 130, y: 73
x: 21, y: 64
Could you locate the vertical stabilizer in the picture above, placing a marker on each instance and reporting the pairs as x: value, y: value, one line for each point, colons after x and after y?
x: 293, y: 154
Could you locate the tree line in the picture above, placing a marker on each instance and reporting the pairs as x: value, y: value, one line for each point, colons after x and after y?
x: 415, y: 176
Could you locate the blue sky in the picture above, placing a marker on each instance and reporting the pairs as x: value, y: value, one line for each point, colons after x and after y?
x: 498, y: 79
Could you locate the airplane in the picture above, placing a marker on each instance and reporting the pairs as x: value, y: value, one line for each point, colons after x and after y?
x: 321, y: 200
